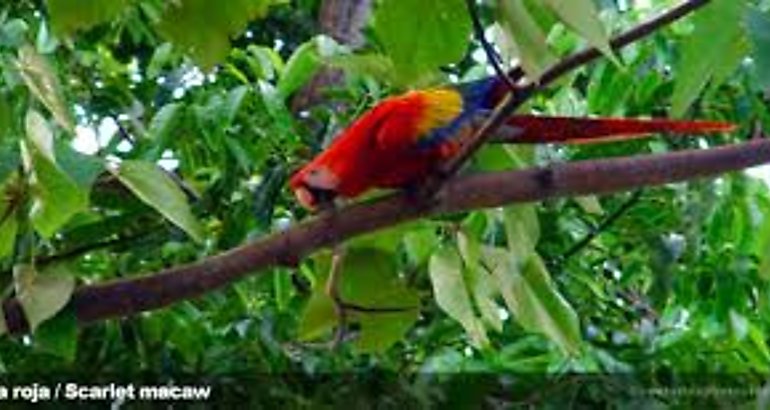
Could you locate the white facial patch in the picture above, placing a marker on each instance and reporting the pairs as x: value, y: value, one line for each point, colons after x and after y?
x: 321, y: 178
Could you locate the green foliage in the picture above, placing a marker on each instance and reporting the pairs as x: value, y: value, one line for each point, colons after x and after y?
x: 42, y: 295
x: 153, y: 186
x: 758, y: 25
x: 204, y: 31
x: 127, y: 114
x: 421, y: 35
x: 43, y: 83
x: 726, y: 49
x: 55, y: 196
x: 527, y: 35
x: 581, y: 16
x: 451, y: 293
x: 370, y: 280
x: 69, y: 16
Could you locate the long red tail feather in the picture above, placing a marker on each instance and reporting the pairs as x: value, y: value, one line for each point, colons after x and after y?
x: 546, y: 129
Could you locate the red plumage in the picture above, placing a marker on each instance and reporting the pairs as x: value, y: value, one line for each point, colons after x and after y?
x: 378, y: 150
x: 403, y: 138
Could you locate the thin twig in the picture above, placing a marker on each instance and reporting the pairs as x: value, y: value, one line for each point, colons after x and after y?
x: 603, y: 226
x: 509, y: 104
x: 492, y: 56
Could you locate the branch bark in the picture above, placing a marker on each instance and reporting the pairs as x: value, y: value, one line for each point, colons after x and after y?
x: 130, y: 296
x: 343, y: 20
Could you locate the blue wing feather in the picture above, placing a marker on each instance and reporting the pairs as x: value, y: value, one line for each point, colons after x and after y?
x: 477, y: 96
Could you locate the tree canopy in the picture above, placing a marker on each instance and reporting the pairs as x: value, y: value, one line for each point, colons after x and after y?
x: 146, y: 227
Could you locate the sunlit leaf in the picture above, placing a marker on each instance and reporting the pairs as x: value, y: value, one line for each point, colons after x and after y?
x: 590, y: 204
x: 42, y: 295
x: 582, y: 16
x: 374, y: 65
x: 42, y: 82
x: 758, y: 25
x: 528, y: 38
x: 522, y: 229
x: 203, y: 30
x: 419, y: 244
x: 165, y: 121
x: 696, y: 68
x: 480, y: 282
x: 451, y: 293
x: 369, y: 278
x: 55, y: 196
x: 153, y: 186
x: 13, y: 33
x: 68, y: 16
x: 534, y: 300
x: 422, y: 35
x: 8, y: 224
x: 300, y: 67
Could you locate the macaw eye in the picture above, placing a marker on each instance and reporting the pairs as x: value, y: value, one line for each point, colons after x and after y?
x: 321, y: 178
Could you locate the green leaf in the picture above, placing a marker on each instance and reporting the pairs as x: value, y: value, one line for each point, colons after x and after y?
x: 374, y: 65
x: 369, y: 278
x: 233, y: 103
x: 13, y: 33
x: 582, y: 17
x: 718, y: 30
x: 758, y: 25
x: 481, y: 283
x: 590, y: 204
x: 42, y: 82
x: 451, y: 293
x: 153, y: 186
x: 302, y: 64
x: 419, y: 244
x: 528, y: 37
x: 203, y: 29
x: 422, y: 35
x: 165, y: 121
x: 533, y: 298
x: 42, y: 295
x: 55, y: 196
x: 59, y: 335
x: 522, y: 229
x: 8, y: 224
x: 69, y: 16
x: 82, y: 168
x: 542, y: 307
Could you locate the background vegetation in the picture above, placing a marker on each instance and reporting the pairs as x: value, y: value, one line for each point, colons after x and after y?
x: 137, y: 135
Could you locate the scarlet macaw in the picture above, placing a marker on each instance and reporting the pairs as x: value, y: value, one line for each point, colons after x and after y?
x: 403, y: 138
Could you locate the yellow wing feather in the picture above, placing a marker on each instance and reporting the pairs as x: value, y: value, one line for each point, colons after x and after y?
x: 442, y: 106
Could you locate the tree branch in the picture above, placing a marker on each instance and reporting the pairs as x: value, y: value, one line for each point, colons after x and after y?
x: 509, y: 104
x: 602, y: 227
x: 130, y: 296
x: 134, y: 295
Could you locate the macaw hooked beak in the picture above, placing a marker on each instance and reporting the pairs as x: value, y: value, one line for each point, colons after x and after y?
x: 306, y: 198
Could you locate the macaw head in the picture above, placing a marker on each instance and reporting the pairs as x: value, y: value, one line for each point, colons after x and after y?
x: 314, y: 185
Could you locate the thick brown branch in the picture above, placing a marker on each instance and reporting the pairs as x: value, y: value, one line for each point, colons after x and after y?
x: 131, y: 296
